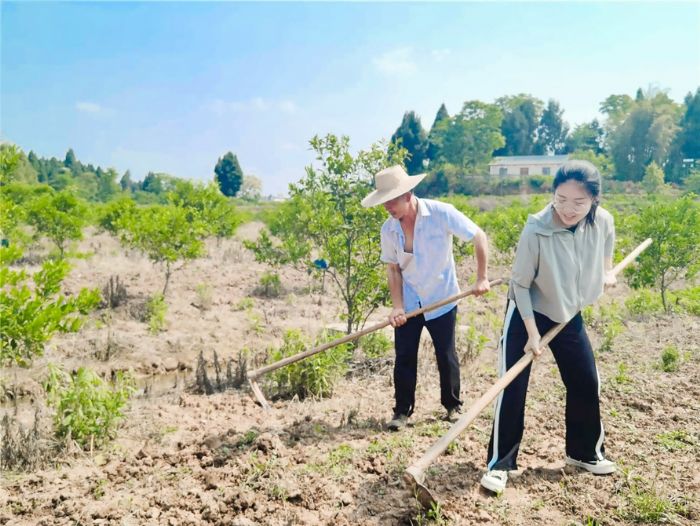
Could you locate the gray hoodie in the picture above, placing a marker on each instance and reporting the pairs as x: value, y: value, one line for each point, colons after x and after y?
x: 558, y: 272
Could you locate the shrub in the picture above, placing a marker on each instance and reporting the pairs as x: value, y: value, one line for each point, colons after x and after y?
x: 375, y: 345
x: 670, y: 359
x: 88, y: 409
x: 314, y: 376
x: 113, y: 293
x: 30, y: 314
x: 644, y: 302
x: 270, y: 285
x: 156, y: 308
x: 59, y: 216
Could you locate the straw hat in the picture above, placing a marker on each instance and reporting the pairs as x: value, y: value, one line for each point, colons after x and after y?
x: 390, y: 183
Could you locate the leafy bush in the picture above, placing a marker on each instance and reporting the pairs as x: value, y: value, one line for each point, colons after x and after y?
x: 375, y: 345
x: 114, y: 213
x: 31, y: 314
x: 670, y: 359
x: 165, y: 234
x: 270, y: 285
x: 689, y: 300
x: 644, y: 302
x: 314, y: 376
x: 58, y: 216
x: 675, y: 253
x: 156, y: 309
x: 88, y: 409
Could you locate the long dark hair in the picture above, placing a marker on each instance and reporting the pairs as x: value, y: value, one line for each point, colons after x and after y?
x: 586, y: 174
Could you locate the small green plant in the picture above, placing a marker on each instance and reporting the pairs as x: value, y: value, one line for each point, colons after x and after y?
x: 204, y: 296
x: 622, y: 377
x: 670, y: 359
x: 675, y: 440
x: 314, y: 376
x: 375, y: 345
x: 256, y: 322
x: 645, y: 505
x: 247, y: 439
x: 689, y: 300
x: 474, y: 343
x: 270, y: 285
x: 246, y: 303
x: 88, y: 409
x: 644, y: 302
x: 156, y: 309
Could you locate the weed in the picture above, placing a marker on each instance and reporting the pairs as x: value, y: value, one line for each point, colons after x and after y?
x: 156, y: 308
x: 314, y: 376
x: 204, y: 296
x: 88, y: 409
x: 670, y: 359
x: 375, y: 345
x: 113, y: 293
x: 245, y: 304
x: 270, y: 286
x: 622, y: 377
x: 675, y: 440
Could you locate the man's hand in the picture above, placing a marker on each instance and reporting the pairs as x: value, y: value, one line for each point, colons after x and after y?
x: 481, y: 286
x: 397, y: 317
x: 610, y: 280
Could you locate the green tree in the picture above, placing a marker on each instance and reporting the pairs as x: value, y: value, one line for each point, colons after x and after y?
x: 206, y: 205
x: 471, y: 136
x: 675, y: 253
x: 126, y: 183
x: 436, y: 135
x: 229, y: 175
x: 31, y: 314
x: 411, y: 136
x: 521, y: 114
x: 588, y: 136
x: 107, y: 186
x: 653, y: 178
x: 552, y: 131
x: 686, y: 144
x: 71, y: 162
x: 645, y: 135
x: 323, y: 219
x: 59, y: 216
x: 165, y: 234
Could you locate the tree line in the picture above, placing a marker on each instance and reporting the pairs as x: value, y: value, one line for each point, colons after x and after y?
x: 97, y: 184
x: 638, y: 135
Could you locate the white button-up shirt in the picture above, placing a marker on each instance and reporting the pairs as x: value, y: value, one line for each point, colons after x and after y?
x: 428, y: 273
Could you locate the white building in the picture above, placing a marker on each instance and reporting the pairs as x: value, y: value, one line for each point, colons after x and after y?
x: 526, y: 164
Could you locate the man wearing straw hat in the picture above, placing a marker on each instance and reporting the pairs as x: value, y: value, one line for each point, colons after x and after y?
x: 416, y: 243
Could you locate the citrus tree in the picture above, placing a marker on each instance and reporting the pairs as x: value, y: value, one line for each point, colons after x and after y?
x: 324, y: 220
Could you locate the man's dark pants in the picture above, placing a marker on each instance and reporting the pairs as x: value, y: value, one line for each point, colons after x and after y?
x: 407, y: 340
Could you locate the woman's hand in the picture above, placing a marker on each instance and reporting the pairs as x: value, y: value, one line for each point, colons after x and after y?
x: 533, y: 344
x: 397, y: 317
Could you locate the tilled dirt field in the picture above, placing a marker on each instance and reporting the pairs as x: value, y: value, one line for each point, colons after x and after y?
x: 187, y: 458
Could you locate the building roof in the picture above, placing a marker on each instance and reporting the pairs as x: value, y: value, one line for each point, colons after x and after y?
x: 529, y: 159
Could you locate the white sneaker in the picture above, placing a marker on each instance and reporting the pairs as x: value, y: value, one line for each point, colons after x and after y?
x: 495, y: 480
x: 597, y: 467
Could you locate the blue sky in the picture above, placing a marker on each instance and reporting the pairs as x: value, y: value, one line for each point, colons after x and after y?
x: 170, y: 87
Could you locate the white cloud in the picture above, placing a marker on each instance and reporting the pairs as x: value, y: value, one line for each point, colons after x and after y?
x: 88, y: 107
x: 396, y: 61
x: 287, y: 106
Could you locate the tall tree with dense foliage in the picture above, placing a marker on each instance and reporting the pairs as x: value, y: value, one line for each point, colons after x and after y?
x: 59, y: 216
x: 686, y: 144
x: 645, y: 135
x: 323, y: 219
x: 436, y: 134
x: 552, y: 131
x: 229, y: 175
x: 472, y: 135
x: 589, y: 136
x: 521, y: 115
x: 411, y: 136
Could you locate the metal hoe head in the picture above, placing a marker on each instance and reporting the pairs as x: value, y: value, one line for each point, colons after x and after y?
x: 414, y: 479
